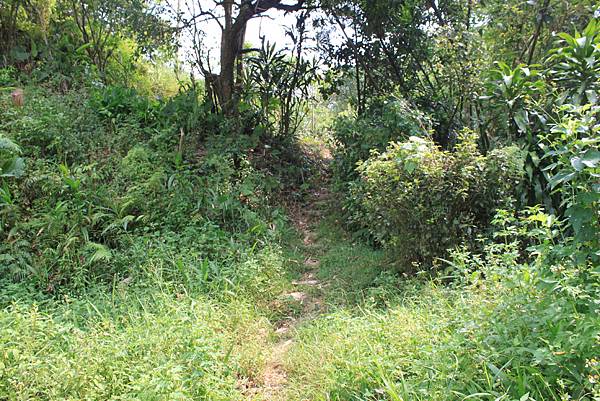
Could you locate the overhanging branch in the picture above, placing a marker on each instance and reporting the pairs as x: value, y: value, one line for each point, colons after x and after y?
x: 264, y: 5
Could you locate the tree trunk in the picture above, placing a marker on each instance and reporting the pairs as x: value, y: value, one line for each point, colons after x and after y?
x: 232, y: 43
x: 226, y: 76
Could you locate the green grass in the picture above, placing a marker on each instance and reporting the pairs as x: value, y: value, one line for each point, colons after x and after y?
x: 134, y: 343
x: 167, y: 349
x: 382, y: 336
x: 409, y: 351
x: 163, y: 335
x: 356, y: 273
x: 183, y: 305
x: 388, y: 337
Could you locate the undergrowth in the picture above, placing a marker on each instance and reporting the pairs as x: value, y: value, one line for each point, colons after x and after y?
x: 132, y: 268
x: 146, y: 256
x: 494, y: 328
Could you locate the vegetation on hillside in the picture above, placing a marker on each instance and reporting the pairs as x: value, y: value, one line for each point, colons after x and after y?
x: 400, y: 203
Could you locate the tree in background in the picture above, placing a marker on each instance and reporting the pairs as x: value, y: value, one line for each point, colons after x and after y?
x: 103, y: 24
x: 522, y: 31
x: 418, y: 47
x: 232, y: 17
x: 437, y: 53
x: 32, y: 17
x: 84, y: 31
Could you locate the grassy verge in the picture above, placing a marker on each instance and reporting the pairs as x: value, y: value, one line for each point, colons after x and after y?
x: 156, y: 335
x: 386, y: 337
x: 141, y: 342
x: 154, y: 347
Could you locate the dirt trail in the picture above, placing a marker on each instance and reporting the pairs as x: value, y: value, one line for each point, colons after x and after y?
x: 307, y: 292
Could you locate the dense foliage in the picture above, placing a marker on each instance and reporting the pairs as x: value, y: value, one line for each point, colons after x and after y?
x: 105, y: 180
x: 419, y: 200
x: 507, y: 328
x: 388, y: 119
x: 401, y: 203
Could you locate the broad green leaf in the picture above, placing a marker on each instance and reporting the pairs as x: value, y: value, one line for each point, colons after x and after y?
x: 579, y: 216
x: 522, y: 120
x: 591, y: 158
x: 13, y: 168
x: 577, y: 163
x: 561, y: 177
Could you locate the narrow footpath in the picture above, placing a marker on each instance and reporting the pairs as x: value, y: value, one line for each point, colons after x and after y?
x: 308, y: 292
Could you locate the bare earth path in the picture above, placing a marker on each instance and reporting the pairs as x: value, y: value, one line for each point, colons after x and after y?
x: 307, y: 292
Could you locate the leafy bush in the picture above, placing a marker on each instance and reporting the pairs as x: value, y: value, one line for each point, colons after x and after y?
x: 548, y: 319
x: 58, y: 128
x: 59, y: 233
x: 574, y: 65
x: 279, y: 88
x: 7, y: 75
x: 115, y: 102
x: 386, y: 120
x: 63, y: 227
x: 418, y: 200
x: 102, y: 174
x: 573, y: 156
x: 11, y: 164
x: 530, y: 100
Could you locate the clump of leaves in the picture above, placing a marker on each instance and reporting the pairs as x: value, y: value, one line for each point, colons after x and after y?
x: 572, y: 148
x: 11, y: 164
x: 387, y: 119
x: 418, y: 200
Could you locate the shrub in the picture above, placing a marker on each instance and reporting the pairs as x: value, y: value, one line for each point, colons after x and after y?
x: 11, y: 165
x: 116, y: 102
x: 418, y: 200
x: 7, y: 75
x: 572, y: 152
x: 61, y: 128
x: 385, y: 120
x: 545, y: 329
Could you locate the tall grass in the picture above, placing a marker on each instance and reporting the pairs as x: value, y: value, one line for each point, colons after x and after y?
x: 136, y: 344
x: 499, y: 333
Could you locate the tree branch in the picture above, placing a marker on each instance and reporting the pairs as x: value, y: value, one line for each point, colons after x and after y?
x: 264, y: 5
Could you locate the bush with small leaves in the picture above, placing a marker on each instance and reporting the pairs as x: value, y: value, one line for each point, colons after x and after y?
x: 387, y: 119
x: 418, y: 200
